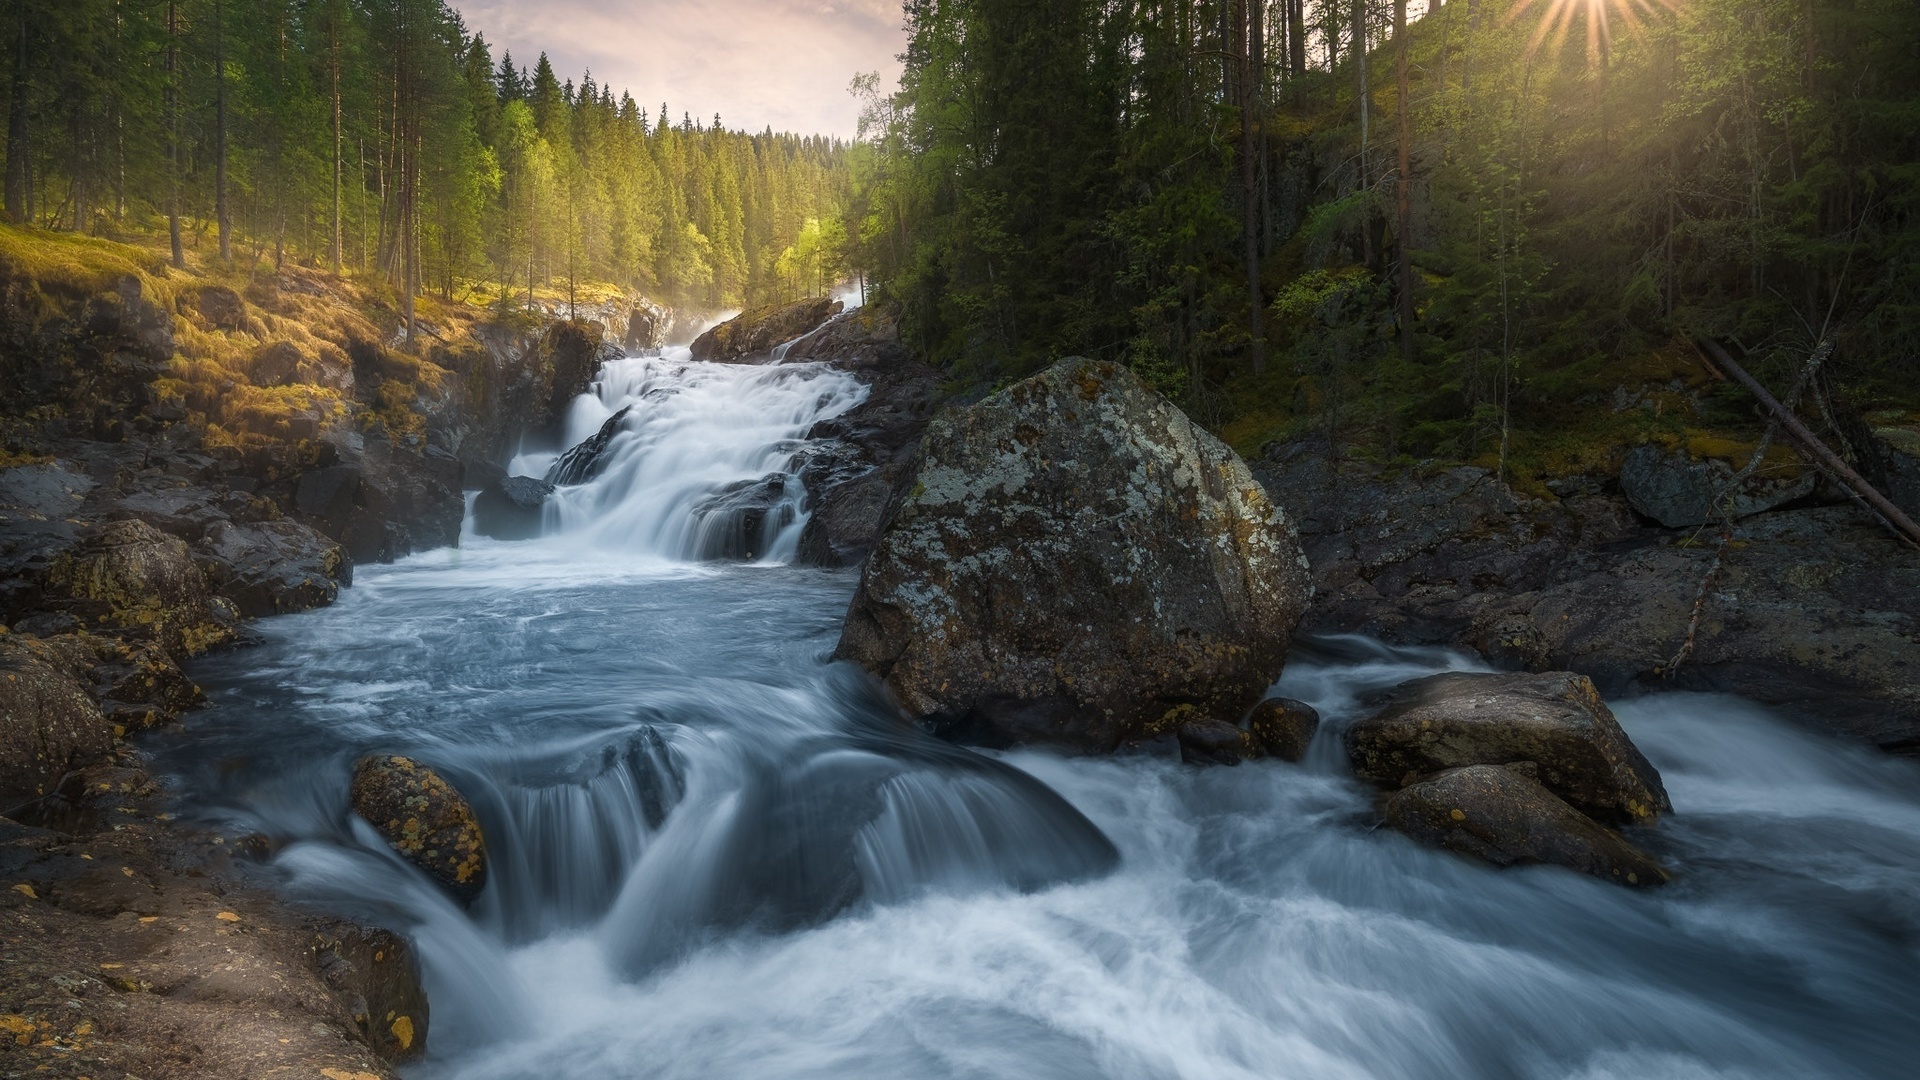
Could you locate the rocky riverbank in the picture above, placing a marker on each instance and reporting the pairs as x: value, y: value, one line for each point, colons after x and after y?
x: 178, y: 455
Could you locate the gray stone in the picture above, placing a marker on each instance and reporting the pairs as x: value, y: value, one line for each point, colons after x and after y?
x: 1680, y: 491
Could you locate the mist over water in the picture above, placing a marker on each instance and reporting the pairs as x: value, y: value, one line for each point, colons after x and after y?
x: 716, y: 854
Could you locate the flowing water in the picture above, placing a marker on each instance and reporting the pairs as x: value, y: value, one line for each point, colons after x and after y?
x: 715, y: 854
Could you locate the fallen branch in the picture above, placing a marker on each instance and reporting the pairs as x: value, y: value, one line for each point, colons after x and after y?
x: 1832, y: 462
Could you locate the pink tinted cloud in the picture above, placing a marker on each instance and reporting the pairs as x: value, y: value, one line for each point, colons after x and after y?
x: 758, y: 63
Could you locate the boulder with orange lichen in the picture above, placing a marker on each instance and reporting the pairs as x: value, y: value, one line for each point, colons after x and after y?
x: 425, y: 820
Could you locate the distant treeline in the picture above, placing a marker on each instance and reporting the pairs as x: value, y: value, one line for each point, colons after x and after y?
x: 380, y: 136
x: 1417, y: 211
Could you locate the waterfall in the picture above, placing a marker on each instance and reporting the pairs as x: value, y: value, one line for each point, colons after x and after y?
x: 690, y: 461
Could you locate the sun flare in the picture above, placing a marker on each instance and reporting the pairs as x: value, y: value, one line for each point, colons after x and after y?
x: 1558, y: 18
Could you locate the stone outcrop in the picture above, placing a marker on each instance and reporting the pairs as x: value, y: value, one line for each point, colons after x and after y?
x: 1678, y: 490
x: 424, y: 819
x: 377, y: 973
x: 869, y: 461
x: 587, y: 459
x: 1077, y: 563
x: 1813, y: 610
x: 1501, y: 815
x: 753, y: 335
x: 1556, y: 721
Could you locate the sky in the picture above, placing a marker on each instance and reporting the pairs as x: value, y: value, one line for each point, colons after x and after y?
x: 758, y: 63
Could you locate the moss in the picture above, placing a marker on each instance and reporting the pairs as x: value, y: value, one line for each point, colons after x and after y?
x: 82, y: 266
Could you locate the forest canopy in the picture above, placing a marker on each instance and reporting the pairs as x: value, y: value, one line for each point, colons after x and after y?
x: 381, y: 137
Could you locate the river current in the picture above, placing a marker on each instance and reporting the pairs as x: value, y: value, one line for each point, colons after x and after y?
x: 717, y: 854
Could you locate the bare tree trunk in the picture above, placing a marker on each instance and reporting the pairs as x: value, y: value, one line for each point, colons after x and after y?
x: 20, y: 128
x: 334, y: 42
x: 173, y: 136
x: 1403, y: 200
x: 1242, y: 47
x: 1363, y: 92
x: 222, y: 213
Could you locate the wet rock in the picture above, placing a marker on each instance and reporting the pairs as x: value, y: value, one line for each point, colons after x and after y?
x: 1215, y: 742
x: 378, y: 975
x: 274, y: 567
x: 1680, y: 491
x: 587, y: 460
x: 646, y: 327
x: 1556, y: 721
x: 1283, y: 727
x: 755, y: 334
x: 48, y: 726
x: 1502, y: 816
x: 743, y: 519
x: 511, y: 508
x: 869, y: 463
x: 424, y: 819
x: 127, y: 575
x: 1077, y: 563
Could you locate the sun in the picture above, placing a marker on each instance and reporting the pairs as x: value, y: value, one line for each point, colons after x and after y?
x: 1557, y: 19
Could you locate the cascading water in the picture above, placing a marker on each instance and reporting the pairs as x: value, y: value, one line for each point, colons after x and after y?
x: 693, y: 460
x: 716, y: 854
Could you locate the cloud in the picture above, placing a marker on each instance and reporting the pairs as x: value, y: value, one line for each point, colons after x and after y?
x: 783, y: 64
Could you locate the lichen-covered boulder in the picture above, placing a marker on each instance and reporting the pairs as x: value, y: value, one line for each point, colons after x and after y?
x: 1077, y: 563
x: 130, y: 576
x: 48, y: 725
x: 1505, y: 817
x: 423, y: 818
x: 1556, y: 721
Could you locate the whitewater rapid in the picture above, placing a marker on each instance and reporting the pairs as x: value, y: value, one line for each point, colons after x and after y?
x: 717, y: 854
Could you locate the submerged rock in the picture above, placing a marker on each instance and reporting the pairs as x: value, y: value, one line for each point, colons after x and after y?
x: 511, y: 508
x: 756, y: 333
x: 127, y: 575
x: 742, y: 520
x: 424, y: 819
x: 1556, y: 721
x: 48, y: 725
x: 1077, y: 563
x: 1506, y: 818
x: 1680, y: 491
x: 1215, y: 742
x: 1283, y: 727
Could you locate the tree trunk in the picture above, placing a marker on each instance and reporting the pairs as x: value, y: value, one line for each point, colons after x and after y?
x: 334, y: 42
x: 1242, y: 47
x: 222, y: 213
x: 1362, y: 91
x: 173, y: 136
x: 1403, y: 198
x: 19, y: 128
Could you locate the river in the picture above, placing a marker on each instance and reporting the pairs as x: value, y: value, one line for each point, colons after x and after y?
x: 716, y: 854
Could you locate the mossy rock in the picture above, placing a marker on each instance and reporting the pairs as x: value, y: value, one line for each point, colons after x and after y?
x: 129, y: 576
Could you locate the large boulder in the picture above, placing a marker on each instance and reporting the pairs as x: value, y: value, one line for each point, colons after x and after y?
x: 48, y: 725
x: 423, y: 818
x: 511, y: 508
x: 1081, y: 564
x: 1556, y: 721
x: 755, y: 334
x: 1680, y: 491
x: 1503, y: 816
x: 127, y: 575
x: 1899, y: 453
